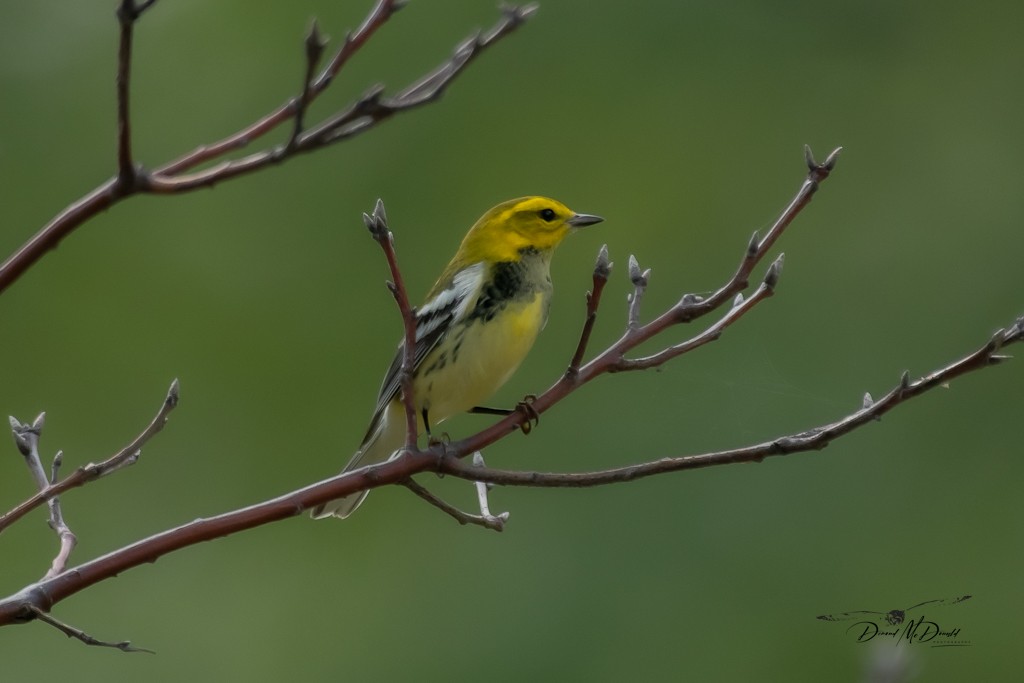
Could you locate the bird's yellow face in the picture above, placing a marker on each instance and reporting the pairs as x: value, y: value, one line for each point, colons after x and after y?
x: 521, y: 225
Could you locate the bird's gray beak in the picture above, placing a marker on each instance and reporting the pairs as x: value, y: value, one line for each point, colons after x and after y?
x: 580, y: 220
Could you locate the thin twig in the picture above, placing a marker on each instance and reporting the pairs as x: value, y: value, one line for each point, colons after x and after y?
x: 602, y: 269
x: 79, y: 634
x: 378, y: 16
x: 486, y: 521
x: 481, y: 494
x: 366, y: 113
x: 172, y: 177
x: 377, y: 224
x: 315, y: 45
x: 26, y: 437
x: 92, y: 471
x: 127, y: 13
x: 68, y: 540
x: 810, y: 440
x: 740, y: 307
x: 639, y: 280
x: 817, y: 174
x: 373, y: 108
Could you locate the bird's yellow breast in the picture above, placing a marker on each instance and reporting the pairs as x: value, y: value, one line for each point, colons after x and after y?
x: 479, y: 358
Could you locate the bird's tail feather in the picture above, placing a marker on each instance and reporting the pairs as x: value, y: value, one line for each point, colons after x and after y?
x: 379, y: 446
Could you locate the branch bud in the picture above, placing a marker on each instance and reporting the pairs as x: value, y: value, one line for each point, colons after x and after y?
x: 771, y: 278
x: 602, y: 267
x: 24, y: 435
x: 377, y: 223
x: 809, y: 158
x: 517, y: 15
x: 636, y: 276
x: 173, y: 394
x: 831, y: 159
x: 466, y: 48
x: 753, y: 245
x: 996, y: 341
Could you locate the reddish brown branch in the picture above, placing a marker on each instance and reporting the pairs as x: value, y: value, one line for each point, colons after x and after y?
x: 810, y: 440
x: 130, y: 179
x: 23, y: 605
x: 126, y: 15
x: 45, y: 594
x: 378, y: 16
x: 40, y: 597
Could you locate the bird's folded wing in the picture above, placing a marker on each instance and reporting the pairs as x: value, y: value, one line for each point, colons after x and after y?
x: 433, y: 321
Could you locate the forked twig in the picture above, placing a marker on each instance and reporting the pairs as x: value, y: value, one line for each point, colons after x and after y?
x: 484, y: 519
x: 92, y: 471
x: 180, y: 175
x: 78, y: 634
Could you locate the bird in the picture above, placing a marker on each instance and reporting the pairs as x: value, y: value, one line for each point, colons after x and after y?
x: 476, y: 326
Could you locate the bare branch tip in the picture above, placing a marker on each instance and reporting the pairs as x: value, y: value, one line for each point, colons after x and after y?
x: 809, y: 158
x: 377, y: 223
x: 828, y: 164
x: 832, y: 158
x: 173, y: 393
x: 58, y: 460
x: 465, y: 49
x: 1016, y: 331
x: 315, y: 43
x: 519, y: 13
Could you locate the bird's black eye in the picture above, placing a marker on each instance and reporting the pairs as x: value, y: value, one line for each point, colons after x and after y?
x: 547, y: 214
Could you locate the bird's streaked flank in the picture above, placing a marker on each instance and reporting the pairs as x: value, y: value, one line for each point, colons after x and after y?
x: 478, y: 323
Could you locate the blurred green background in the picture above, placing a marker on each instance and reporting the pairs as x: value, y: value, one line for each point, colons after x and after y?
x: 682, y: 124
